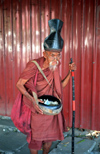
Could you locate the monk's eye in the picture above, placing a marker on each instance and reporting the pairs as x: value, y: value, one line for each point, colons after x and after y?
x: 52, y: 55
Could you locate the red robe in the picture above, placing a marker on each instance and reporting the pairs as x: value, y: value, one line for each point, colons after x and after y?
x: 44, y: 127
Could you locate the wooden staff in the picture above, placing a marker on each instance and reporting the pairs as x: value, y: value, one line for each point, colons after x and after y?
x: 73, y: 107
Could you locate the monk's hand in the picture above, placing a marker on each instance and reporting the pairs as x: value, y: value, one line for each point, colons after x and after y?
x: 39, y: 100
x: 72, y: 67
x: 36, y: 107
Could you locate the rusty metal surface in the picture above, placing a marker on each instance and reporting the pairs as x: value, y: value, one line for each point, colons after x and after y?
x: 23, y: 27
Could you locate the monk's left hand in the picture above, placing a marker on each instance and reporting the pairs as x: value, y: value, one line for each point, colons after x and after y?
x: 72, y: 67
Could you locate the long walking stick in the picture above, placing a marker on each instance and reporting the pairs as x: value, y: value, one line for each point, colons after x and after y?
x: 73, y: 106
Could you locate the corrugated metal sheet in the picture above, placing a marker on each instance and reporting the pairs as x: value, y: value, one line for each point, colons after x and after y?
x: 23, y: 27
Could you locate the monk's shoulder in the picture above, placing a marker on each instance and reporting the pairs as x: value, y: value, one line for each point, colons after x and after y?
x: 31, y: 63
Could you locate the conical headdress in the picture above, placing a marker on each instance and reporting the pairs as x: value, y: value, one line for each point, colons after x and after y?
x: 54, y: 42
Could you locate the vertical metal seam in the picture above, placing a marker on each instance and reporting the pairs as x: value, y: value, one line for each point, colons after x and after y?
x: 31, y: 26
x: 5, y: 81
x: 91, y: 82
x: 12, y: 23
x: 94, y: 73
x: 13, y: 71
x: 72, y: 29
x: 61, y: 9
x: 3, y: 29
x: 21, y: 29
x: 50, y: 9
x: 40, y: 25
x: 83, y: 21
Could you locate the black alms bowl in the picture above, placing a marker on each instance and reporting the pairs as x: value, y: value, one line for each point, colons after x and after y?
x: 50, y: 109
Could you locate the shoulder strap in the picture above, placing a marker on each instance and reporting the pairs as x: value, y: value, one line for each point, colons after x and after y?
x: 40, y: 70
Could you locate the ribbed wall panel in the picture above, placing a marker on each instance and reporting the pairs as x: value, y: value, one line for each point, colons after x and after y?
x: 23, y: 28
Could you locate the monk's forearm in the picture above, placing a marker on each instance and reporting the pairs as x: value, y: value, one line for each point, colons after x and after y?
x: 29, y: 97
x: 66, y: 79
x: 20, y: 85
x: 22, y: 89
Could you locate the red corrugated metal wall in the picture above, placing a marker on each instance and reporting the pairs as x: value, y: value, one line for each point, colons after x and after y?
x: 23, y: 27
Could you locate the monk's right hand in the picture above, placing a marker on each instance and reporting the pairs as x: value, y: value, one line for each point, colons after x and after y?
x: 38, y: 110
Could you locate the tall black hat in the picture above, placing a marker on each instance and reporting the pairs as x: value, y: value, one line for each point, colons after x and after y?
x: 54, y: 42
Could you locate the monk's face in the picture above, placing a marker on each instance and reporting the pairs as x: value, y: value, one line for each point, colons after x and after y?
x: 53, y: 59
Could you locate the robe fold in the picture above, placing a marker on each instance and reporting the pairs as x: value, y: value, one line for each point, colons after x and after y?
x: 44, y: 127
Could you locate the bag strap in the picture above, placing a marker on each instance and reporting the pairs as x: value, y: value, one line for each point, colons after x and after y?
x: 41, y: 71
x: 44, y: 76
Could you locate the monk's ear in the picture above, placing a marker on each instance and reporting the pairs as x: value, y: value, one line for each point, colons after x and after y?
x: 44, y: 54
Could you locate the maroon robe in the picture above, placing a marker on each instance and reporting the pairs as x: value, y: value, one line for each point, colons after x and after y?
x: 44, y: 127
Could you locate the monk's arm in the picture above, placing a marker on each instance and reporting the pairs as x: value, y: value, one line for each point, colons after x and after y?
x: 66, y: 79
x: 20, y: 85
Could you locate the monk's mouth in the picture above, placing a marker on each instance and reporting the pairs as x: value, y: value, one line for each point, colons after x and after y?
x: 53, y: 63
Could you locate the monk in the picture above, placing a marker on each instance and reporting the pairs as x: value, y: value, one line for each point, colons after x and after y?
x: 45, y: 128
